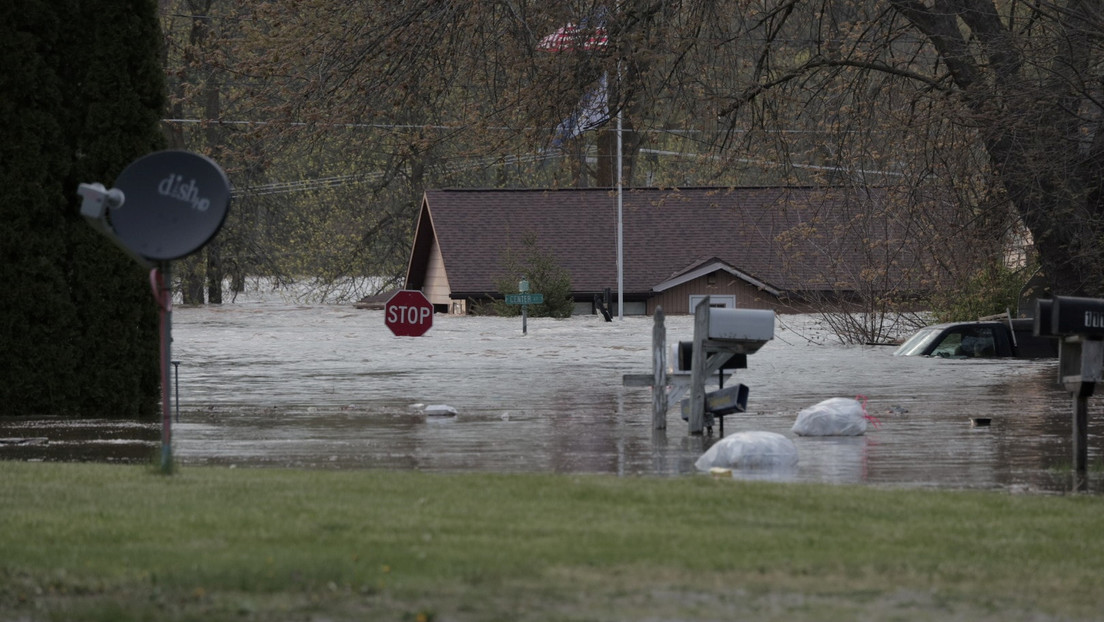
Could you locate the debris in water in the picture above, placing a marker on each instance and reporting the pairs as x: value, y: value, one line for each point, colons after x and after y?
x: 837, y: 416
x: 749, y: 449
x: 440, y: 410
x: 38, y: 440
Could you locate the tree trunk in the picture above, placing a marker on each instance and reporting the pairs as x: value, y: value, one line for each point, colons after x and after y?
x: 1034, y: 127
x: 191, y: 286
x: 215, y: 273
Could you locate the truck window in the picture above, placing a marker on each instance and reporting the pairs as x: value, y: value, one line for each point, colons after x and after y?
x: 968, y: 342
x: 948, y: 346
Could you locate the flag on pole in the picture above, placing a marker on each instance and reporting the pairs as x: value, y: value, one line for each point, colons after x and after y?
x: 592, y: 112
x: 572, y: 37
x: 593, y: 108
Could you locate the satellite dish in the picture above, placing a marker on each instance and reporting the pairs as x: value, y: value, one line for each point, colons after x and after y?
x: 175, y: 202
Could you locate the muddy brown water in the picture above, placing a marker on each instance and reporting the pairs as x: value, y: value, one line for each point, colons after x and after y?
x: 321, y: 386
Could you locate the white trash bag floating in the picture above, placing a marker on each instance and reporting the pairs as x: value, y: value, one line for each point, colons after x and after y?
x: 837, y: 416
x: 749, y: 450
x: 440, y: 410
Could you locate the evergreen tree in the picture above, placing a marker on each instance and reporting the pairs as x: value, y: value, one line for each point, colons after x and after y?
x: 545, y: 275
x: 80, y: 98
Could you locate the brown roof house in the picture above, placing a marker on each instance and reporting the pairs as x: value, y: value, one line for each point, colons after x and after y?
x: 786, y: 248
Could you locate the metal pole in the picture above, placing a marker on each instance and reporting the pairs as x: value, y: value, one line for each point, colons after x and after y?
x: 523, y: 288
x: 620, y: 225
x: 164, y: 301
x: 1081, y: 439
x: 176, y: 387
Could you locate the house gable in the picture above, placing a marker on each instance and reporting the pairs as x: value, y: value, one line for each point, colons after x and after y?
x: 706, y: 268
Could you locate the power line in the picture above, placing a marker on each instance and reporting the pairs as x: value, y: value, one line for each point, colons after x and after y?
x: 337, y: 181
x: 423, y: 126
x: 321, y: 183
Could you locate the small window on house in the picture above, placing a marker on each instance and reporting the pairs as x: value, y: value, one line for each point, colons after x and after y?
x: 716, y: 302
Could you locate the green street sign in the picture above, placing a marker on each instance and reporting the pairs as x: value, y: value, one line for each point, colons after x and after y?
x: 524, y: 299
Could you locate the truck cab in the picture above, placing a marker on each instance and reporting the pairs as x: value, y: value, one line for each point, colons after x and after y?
x: 982, y: 339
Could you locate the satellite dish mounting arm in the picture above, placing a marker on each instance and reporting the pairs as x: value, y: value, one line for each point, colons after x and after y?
x: 97, y: 200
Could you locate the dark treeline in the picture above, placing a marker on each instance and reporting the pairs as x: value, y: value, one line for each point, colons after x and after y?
x: 81, y: 96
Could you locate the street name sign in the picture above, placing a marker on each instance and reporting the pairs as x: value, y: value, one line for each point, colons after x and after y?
x: 524, y: 299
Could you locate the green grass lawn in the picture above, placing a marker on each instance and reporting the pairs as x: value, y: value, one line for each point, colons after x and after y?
x: 102, y: 542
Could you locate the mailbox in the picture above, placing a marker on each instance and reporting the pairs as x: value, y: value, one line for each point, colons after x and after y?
x: 1078, y: 324
x: 1071, y: 315
x: 752, y: 327
x: 684, y: 357
x: 719, y: 334
x: 720, y: 403
x: 1043, y: 309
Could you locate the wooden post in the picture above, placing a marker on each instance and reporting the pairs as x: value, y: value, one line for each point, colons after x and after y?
x: 659, y: 370
x: 697, y: 368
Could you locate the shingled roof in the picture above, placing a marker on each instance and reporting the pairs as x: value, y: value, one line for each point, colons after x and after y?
x: 789, y: 239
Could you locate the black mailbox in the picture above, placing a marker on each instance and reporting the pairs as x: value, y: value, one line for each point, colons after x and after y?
x: 1078, y: 324
x: 1070, y: 315
x: 1043, y: 309
x: 686, y: 355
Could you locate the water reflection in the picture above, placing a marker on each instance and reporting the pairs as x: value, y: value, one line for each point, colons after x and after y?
x: 330, y: 387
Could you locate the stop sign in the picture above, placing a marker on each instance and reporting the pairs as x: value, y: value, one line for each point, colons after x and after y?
x: 408, y: 313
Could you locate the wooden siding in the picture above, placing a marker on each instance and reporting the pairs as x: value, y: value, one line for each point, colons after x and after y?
x: 676, y: 301
x: 436, y: 287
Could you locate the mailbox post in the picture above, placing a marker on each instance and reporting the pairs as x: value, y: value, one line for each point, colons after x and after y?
x: 1078, y: 324
x: 720, y: 335
x: 523, y: 288
x: 722, y: 340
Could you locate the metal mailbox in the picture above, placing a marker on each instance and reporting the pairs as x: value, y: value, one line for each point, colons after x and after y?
x: 685, y: 357
x: 1078, y: 325
x: 1070, y: 315
x: 750, y: 327
x: 1043, y: 311
x: 722, y: 402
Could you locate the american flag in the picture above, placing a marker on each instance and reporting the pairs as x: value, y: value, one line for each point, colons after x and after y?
x: 572, y: 37
x: 593, y: 108
x: 591, y: 113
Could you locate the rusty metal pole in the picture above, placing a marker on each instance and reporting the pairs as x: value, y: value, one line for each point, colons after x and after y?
x: 160, y: 280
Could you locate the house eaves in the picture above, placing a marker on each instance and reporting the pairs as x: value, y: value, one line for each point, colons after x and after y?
x: 710, y: 267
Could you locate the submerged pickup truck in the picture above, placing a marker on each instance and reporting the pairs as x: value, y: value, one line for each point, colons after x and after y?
x: 982, y: 339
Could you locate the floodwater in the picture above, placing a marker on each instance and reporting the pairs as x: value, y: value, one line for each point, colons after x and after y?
x: 315, y: 386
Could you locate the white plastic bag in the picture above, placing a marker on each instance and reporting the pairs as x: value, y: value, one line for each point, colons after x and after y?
x: 838, y: 416
x: 749, y: 449
x: 440, y: 410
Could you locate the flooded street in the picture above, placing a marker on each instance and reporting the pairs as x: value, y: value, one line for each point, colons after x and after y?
x: 273, y: 384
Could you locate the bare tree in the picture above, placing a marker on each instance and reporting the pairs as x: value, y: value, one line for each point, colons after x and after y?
x: 1021, y: 79
x: 349, y: 110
